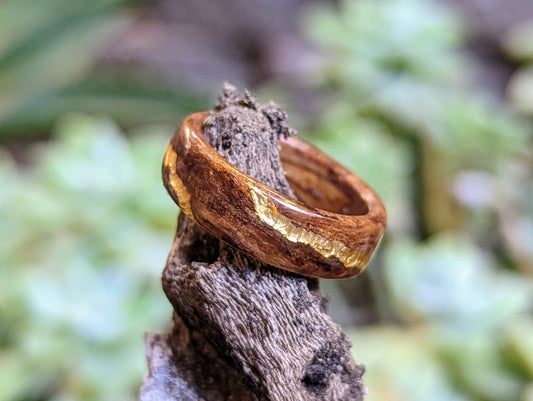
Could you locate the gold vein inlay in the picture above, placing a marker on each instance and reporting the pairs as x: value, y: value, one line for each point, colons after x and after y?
x: 267, y: 212
x: 184, y: 198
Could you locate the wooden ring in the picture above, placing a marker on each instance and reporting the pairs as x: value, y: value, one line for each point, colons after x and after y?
x: 331, y: 231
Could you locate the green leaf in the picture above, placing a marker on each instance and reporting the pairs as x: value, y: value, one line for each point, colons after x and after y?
x: 451, y: 281
x: 58, y: 53
x: 79, y: 276
x: 400, y: 365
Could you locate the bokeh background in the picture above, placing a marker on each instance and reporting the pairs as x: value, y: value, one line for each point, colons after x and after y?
x: 430, y: 101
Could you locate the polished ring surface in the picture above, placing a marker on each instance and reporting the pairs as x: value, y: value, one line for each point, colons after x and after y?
x: 331, y: 231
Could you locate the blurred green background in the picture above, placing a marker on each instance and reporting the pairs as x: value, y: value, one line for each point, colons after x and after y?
x: 431, y: 102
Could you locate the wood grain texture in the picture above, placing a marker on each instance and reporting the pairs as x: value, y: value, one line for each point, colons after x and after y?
x: 245, y: 330
x: 330, y: 233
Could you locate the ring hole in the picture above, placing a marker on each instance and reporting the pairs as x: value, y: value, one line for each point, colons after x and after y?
x: 314, y: 182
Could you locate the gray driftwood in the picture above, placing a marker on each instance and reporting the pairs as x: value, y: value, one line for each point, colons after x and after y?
x: 244, y: 330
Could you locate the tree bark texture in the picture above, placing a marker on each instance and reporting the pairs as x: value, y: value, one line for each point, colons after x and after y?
x: 244, y: 330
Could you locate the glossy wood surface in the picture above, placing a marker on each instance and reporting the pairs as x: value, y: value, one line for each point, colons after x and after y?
x: 331, y: 231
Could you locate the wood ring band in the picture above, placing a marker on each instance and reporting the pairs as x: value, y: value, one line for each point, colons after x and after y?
x: 331, y: 231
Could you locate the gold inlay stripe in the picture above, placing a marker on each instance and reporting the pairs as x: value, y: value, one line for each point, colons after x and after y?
x: 184, y: 198
x: 267, y: 212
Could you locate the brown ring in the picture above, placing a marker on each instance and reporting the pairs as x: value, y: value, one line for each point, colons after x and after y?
x: 330, y: 232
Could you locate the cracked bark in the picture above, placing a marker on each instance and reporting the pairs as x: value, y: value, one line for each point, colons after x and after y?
x: 244, y: 330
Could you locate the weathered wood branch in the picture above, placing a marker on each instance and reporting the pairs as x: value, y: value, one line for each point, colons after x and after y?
x: 244, y: 330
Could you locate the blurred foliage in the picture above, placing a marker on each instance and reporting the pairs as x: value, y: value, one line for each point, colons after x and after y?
x: 519, y: 45
x: 454, y: 167
x: 85, y: 236
x: 48, y: 51
x: 87, y: 225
